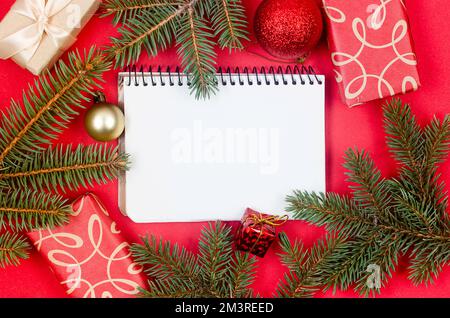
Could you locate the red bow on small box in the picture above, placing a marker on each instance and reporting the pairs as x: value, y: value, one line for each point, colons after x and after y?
x: 257, y: 232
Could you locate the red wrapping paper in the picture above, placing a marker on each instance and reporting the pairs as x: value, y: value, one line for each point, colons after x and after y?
x: 257, y: 232
x: 88, y: 255
x: 371, y: 49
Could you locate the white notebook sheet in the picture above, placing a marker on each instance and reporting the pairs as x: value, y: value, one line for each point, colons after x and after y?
x: 200, y: 160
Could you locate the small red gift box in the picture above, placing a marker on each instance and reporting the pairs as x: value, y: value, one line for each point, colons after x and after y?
x: 89, y: 255
x: 257, y: 232
x: 371, y: 49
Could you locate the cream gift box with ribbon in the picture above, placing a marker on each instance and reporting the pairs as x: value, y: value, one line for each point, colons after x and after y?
x: 34, y: 33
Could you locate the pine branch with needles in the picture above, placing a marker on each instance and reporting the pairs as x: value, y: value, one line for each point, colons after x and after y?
x: 123, y: 11
x: 382, y: 220
x: 61, y: 167
x: 195, y: 47
x: 192, y: 25
x: 305, y: 266
x: 32, y: 169
x: 216, y: 271
x: 229, y: 22
x: 47, y: 107
x: 12, y: 249
x: 27, y: 210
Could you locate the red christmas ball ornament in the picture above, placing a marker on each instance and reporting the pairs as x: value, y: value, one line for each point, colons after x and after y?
x: 288, y: 29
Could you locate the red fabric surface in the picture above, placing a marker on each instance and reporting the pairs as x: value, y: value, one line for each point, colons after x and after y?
x: 360, y: 126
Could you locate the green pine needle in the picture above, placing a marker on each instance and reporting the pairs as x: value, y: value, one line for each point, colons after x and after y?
x: 26, y: 210
x: 384, y: 219
x: 216, y: 271
x: 304, y: 278
x: 31, y: 168
x: 196, y: 51
x: 152, y: 26
x: 125, y: 10
x: 240, y: 276
x: 149, y: 31
x: 163, y: 263
x: 13, y: 248
x: 62, y: 168
x: 49, y: 105
x: 229, y: 22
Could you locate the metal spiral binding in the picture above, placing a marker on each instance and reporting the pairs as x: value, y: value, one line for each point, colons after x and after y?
x: 296, y: 75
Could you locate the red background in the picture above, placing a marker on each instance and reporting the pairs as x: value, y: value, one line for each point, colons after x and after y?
x: 361, y: 126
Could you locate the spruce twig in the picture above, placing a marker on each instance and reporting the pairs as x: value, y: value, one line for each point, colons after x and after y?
x: 153, y: 31
x: 49, y: 106
x: 30, y: 168
x: 12, y: 248
x: 229, y: 22
x: 152, y: 25
x: 124, y: 11
x: 26, y: 210
x: 385, y: 218
x: 195, y: 47
x: 62, y: 168
x: 215, y: 272
x: 305, y: 266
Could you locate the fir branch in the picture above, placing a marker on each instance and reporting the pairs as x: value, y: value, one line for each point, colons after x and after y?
x: 293, y: 255
x: 339, y: 214
x: 125, y: 10
x: 29, y: 165
x: 241, y: 276
x: 214, y: 272
x: 152, y: 30
x: 305, y: 277
x: 229, y: 23
x: 428, y: 260
x: 406, y: 143
x: 26, y: 210
x: 13, y: 248
x: 419, y: 151
x: 383, y: 261
x: 404, y: 136
x: 415, y: 213
x: 214, y: 256
x: 49, y: 106
x: 164, y: 263
x: 152, y: 25
x: 437, y: 141
x: 349, y: 262
x: 437, y: 147
x: 62, y: 168
x: 335, y: 262
x: 196, y: 50
x: 385, y: 218
x: 370, y: 189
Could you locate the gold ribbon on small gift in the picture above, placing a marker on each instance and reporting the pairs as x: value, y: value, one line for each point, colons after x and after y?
x: 26, y: 41
x: 260, y: 220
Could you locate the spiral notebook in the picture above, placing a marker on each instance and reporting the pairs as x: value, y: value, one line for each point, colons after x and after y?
x: 261, y: 136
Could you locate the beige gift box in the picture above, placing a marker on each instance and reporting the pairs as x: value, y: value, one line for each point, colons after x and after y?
x: 71, y: 19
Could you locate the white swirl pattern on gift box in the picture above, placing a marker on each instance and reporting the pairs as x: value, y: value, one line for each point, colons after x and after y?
x: 73, y: 242
x: 377, y: 15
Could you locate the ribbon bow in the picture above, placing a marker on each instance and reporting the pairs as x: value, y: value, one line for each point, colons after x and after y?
x: 272, y: 220
x: 27, y: 40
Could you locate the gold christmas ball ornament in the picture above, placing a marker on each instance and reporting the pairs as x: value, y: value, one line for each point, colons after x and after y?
x: 103, y: 121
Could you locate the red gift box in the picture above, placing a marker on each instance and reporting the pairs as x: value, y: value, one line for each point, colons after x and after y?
x: 257, y: 232
x: 88, y: 255
x: 371, y: 47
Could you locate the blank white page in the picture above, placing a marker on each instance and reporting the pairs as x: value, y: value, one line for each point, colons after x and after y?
x: 199, y: 160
